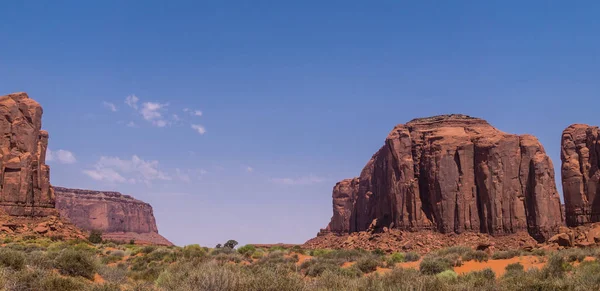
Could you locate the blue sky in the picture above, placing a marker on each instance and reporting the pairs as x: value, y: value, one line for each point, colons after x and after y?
x: 294, y: 95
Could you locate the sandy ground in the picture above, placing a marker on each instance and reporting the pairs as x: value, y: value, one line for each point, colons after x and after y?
x: 499, y: 266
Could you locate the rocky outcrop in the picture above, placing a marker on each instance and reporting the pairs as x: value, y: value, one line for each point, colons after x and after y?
x: 25, y: 178
x: 452, y: 173
x: 118, y: 216
x: 580, y: 155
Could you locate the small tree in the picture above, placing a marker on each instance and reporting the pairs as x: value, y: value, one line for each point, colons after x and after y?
x: 218, y: 246
x: 95, y: 237
x: 231, y: 244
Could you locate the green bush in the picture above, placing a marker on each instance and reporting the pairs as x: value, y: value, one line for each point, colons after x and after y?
x: 459, y: 250
x: 39, y: 259
x: 479, y: 256
x: 193, y: 252
x: 75, y: 263
x: 555, y: 267
x: 447, y: 275
x: 368, y: 264
x: 12, y: 259
x: 247, y: 250
x: 514, y: 269
x: 378, y: 252
x: 258, y: 254
x: 434, y: 265
x: 412, y: 257
x: 505, y: 255
x: 319, y: 252
x: 95, y: 237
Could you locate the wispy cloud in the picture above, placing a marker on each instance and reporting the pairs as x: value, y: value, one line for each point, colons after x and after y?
x: 152, y: 112
x: 131, y: 124
x: 112, y: 107
x: 249, y: 169
x: 193, y: 112
x: 60, y: 156
x: 307, y: 180
x: 132, y: 101
x: 117, y: 170
x: 199, y: 128
x: 197, y: 113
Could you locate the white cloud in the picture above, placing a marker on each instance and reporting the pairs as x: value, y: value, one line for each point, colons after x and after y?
x: 132, y: 101
x: 199, y: 128
x: 203, y: 172
x: 249, y: 169
x: 117, y: 170
x: 112, y: 107
x: 60, y: 156
x: 181, y: 175
x: 131, y: 124
x: 152, y: 112
x: 308, y: 180
x: 197, y: 113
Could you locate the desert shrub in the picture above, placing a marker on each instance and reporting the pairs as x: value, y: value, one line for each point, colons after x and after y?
x: 479, y: 256
x: 319, y: 252
x: 273, y: 279
x: 396, y: 258
x: 75, y: 263
x: 412, y: 257
x: 116, y: 274
x: 555, y: 267
x: 113, y: 257
x: 39, y: 259
x: 277, y: 259
x: 368, y: 264
x: 231, y: 257
x: 447, y: 275
x: 378, y: 252
x: 574, y: 254
x: 205, y: 276
x: 12, y: 259
x: 277, y: 248
x: 538, y: 252
x: 105, y: 287
x: 95, y: 237
x: 505, y: 255
x: 148, y: 249
x: 459, y: 250
x: 193, y: 252
x: 36, y: 279
x: 432, y: 265
x: 247, y: 250
x: 515, y: 268
x: 587, y: 275
x: 298, y: 249
x: 258, y: 254
x: 342, y: 256
x: 218, y: 251
x: 315, y: 267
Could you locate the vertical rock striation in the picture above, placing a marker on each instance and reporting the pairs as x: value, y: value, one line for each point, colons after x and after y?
x: 25, y: 178
x: 580, y: 155
x: 452, y: 173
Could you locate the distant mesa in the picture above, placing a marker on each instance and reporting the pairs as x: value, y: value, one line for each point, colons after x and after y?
x: 120, y: 217
x: 452, y: 174
x: 580, y: 155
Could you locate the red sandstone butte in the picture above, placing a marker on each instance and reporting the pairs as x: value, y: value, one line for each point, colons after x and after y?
x: 580, y: 155
x: 452, y: 174
x: 25, y: 178
x: 120, y: 217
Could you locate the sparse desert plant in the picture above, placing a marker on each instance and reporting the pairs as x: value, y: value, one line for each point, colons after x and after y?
x: 378, y: 252
x: 12, y: 259
x: 205, y: 276
x: 230, y: 244
x: 75, y: 263
x: 479, y: 256
x: 412, y: 257
x: 505, y: 255
x: 447, y: 275
x: 247, y: 250
x: 432, y: 265
x: 513, y: 269
x: 95, y: 237
x: 193, y: 252
x: 368, y: 264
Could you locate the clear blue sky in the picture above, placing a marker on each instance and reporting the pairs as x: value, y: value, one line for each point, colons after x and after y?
x: 294, y: 95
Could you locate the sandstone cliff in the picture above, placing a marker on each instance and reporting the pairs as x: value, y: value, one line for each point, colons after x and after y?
x: 118, y: 216
x: 580, y: 155
x: 452, y: 173
x: 25, y: 178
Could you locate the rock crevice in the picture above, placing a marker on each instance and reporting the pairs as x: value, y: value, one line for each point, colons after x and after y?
x: 452, y: 173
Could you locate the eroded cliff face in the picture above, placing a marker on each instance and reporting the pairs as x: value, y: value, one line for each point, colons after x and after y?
x: 452, y: 173
x: 116, y: 215
x: 580, y: 155
x: 25, y: 178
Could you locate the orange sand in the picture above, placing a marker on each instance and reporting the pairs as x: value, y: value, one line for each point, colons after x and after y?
x: 348, y: 264
x: 98, y: 279
x: 499, y: 266
x: 409, y: 265
x: 302, y: 258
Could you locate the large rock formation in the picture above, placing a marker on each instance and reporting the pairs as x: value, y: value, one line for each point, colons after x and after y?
x: 118, y: 216
x: 580, y: 157
x: 452, y: 173
x: 25, y: 178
